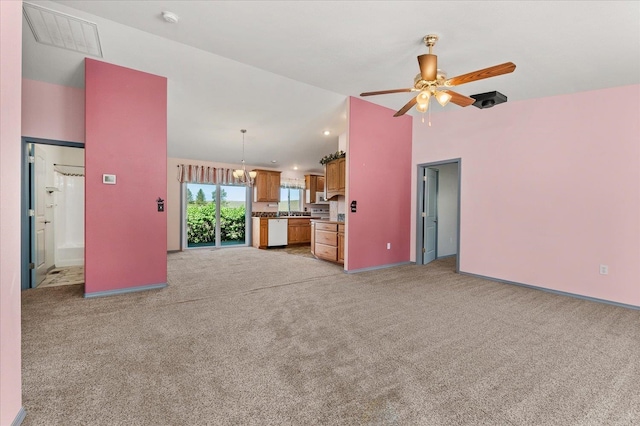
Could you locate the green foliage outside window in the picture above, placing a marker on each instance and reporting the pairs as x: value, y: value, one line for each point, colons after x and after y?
x: 201, y: 223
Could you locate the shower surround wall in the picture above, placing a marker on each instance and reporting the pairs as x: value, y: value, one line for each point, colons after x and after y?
x: 66, y: 247
x: 68, y: 216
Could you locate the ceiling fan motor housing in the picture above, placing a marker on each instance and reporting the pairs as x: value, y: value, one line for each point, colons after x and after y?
x: 489, y: 99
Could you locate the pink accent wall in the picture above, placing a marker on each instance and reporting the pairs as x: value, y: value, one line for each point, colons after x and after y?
x: 51, y: 111
x: 126, y: 135
x: 10, y: 99
x: 550, y: 189
x: 379, y: 179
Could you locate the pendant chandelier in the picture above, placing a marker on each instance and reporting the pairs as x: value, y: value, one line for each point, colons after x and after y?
x: 241, y: 174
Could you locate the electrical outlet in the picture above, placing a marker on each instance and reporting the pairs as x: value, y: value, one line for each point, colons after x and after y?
x: 388, y: 246
x: 604, y: 269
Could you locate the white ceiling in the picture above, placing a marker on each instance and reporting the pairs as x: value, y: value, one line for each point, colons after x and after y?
x: 283, y: 69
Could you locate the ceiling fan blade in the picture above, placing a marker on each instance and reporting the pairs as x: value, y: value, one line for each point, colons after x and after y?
x: 459, y: 99
x: 428, y: 66
x: 406, y: 108
x: 493, y: 71
x: 384, y: 92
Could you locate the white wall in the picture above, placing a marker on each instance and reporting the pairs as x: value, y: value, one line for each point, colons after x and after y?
x: 447, y: 209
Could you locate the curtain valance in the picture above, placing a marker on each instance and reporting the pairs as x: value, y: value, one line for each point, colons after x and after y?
x: 204, y: 174
x: 292, y: 183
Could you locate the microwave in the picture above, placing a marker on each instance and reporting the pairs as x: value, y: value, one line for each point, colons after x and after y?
x: 320, y: 199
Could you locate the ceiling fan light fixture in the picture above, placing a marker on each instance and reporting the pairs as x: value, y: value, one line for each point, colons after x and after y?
x: 443, y: 98
x: 422, y: 107
x: 423, y: 98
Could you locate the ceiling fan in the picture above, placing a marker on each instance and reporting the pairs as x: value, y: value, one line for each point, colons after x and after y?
x: 432, y: 82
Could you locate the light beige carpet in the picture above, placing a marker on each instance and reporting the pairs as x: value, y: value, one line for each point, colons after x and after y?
x: 252, y: 337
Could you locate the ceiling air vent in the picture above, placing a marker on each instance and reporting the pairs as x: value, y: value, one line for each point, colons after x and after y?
x: 67, y: 32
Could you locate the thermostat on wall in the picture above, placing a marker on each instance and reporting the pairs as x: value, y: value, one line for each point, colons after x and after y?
x: 109, y: 179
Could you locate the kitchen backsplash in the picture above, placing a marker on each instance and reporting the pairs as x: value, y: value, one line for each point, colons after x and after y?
x: 276, y: 214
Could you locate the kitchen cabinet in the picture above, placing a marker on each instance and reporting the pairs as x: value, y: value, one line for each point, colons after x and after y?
x: 341, y: 243
x: 328, y: 241
x: 313, y: 185
x: 266, y: 187
x: 335, y: 177
x: 260, y: 233
x: 290, y: 231
x: 299, y: 231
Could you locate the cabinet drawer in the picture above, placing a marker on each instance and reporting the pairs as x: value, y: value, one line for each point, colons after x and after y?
x: 341, y: 227
x: 329, y: 238
x: 326, y: 252
x: 299, y: 222
x: 327, y: 227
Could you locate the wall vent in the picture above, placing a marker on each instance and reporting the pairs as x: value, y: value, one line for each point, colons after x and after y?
x: 60, y: 30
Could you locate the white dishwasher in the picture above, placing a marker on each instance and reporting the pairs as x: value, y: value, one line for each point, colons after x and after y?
x: 278, y: 232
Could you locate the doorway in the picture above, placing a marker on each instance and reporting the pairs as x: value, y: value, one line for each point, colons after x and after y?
x: 52, y: 243
x: 438, y: 211
x: 215, y: 215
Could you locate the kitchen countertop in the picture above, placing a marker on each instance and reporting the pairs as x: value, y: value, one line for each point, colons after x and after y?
x: 287, y: 217
x: 328, y: 221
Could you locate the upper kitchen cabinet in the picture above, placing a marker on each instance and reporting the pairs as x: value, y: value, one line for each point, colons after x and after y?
x: 314, y: 188
x: 335, y: 177
x: 266, y: 187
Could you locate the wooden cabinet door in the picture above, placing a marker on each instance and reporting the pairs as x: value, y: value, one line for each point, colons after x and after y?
x: 341, y: 174
x: 264, y: 233
x: 260, y: 187
x: 305, y: 233
x: 310, y: 184
x: 266, y: 187
x: 332, y: 177
x: 320, y: 184
x: 293, y: 234
x: 274, y: 186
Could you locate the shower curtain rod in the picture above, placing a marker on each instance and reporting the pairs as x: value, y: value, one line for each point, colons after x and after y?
x: 67, y: 165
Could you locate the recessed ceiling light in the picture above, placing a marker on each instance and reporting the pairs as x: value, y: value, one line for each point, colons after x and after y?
x: 327, y: 133
x: 274, y: 161
x: 295, y: 167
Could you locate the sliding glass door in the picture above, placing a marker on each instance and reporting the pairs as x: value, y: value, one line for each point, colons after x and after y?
x: 216, y: 215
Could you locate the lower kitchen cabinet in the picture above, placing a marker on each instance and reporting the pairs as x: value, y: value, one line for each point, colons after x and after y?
x: 341, y: 243
x: 299, y: 231
x: 328, y: 241
x: 260, y: 236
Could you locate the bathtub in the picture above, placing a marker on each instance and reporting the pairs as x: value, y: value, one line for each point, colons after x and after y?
x: 70, y: 255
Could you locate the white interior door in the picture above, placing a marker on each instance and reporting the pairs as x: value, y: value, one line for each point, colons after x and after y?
x: 430, y: 227
x: 41, y: 222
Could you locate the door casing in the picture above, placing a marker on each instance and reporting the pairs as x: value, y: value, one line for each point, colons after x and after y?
x: 420, y: 242
x: 27, y: 223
